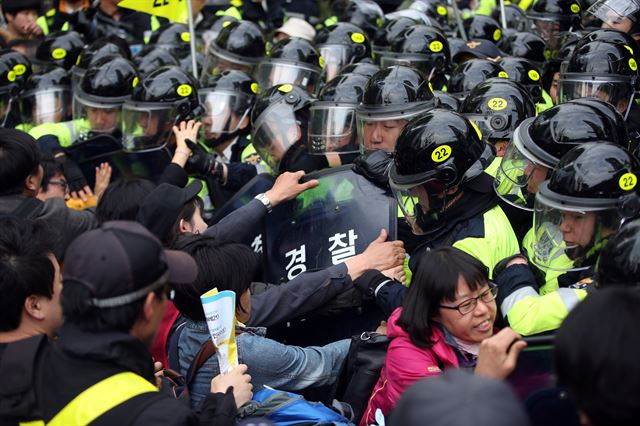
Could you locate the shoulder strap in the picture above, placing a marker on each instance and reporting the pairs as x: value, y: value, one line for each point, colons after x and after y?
x: 102, y: 397
x: 207, y: 350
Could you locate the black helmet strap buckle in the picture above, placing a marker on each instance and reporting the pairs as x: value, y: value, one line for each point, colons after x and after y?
x: 630, y: 206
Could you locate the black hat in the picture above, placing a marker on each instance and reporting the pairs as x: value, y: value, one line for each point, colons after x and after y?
x: 478, y: 48
x: 160, y: 210
x: 122, y: 262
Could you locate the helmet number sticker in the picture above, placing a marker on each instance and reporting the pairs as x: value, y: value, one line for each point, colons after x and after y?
x: 633, y: 64
x: 442, y: 11
x: 497, y: 104
x: 285, y: 88
x: 58, y: 53
x: 255, y: 88
x: 184, y: 90
x: 186, y: 37
x: 575, y: 8
x: 357, y: 38
x: 20, y: 69
x: 503, y: 74
x: 441, y: 153
x: 497, y: 34
x: 628, y: 181
x: 533, y: 75
x: 436, y: 46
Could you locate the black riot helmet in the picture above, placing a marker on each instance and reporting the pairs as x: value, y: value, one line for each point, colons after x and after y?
x: 150, y: 58
x: 435, y: 152
x: 605, y: 70
x: 332, y: 120
x: 551, y: 17
x: 392, y: 96
x: 294, y: 61
x: 498, y: 106
x: 416, y: 15
x: 424, y: 48
x: 99, y: 97
x: 187, y: 64
x: 365, y: 14
x: 161, y: 99
x: 46, y: 96
x: 620, y: 14
x: 101, y: 48
x: 619, y: 261
x: 363, y: 68
x: 389, y: 31
x: 239, y: 45
x: 340, y: 45
x: 483, y: 27
x: 60, y: 48
x: 434, y: 9
x: 590, y: 194
x: 539, y: 143
x: 12, y: 70
x: 525, y: 73
x: 172, y: 36
x: 447, y: 101
x: 526, y: 45
x: 469, y: 74
x: 227, y: 99
x: 278, y: 122
x: 516, y: 17
x: 610, y: 35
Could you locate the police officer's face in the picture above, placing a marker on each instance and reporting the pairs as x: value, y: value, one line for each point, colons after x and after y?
x: 553, y: 90
x: 578, y: 228
x: 382, y: 134
x: 537, y: 174
x: 150, y: 123
x: 617, y: 22
x: 103, y: 119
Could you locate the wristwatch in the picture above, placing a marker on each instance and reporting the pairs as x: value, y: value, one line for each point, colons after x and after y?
x: 265, y: 200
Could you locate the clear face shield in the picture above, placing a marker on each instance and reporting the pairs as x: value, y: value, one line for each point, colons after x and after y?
x: 225, y: 112
x: 46, y: 106
x: 548, y: 28
x: 7, y: 103
x: 274, y: 73
x: 615, y: 90
x: 332, y: 128
x: 568, y: 237
x: 101, y: 117
x: 217, y: 60
x: 614, y: 13
x: 420, y: 62
x: 335, y: 57
x: 379, y: 127
x: 275, y: 131
x: 519, y: 175
x: 146, y: 127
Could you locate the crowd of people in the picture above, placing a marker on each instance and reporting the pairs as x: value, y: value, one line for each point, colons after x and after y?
x: 504, y: 138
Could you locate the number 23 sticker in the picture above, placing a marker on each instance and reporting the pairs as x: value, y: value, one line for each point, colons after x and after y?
x: 441, y: 153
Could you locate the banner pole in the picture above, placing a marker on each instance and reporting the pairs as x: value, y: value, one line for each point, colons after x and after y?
x: 192, y: 33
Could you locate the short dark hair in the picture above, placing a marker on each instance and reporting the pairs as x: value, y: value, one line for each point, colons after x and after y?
x: 25, y: 267
x: 77, y: 311
x: 596, y: 356
x: 225, y: 265
x: 19, y: 158
x: 51, y: 168
x: 436, y: 281
x: 122, y: 199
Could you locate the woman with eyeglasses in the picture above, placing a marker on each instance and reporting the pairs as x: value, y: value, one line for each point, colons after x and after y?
x: 446, y: 321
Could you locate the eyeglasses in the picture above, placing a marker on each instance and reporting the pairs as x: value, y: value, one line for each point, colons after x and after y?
x: 63, y: 183
x: 469, y: 305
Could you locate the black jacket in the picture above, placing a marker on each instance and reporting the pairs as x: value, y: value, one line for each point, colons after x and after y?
x: 78, y: 360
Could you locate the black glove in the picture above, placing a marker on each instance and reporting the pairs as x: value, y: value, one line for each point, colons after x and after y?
x: 73, y: 174
x: 374, y: 166
x: 202, y: 164
x: 369, y: 281
x: 297, y: 158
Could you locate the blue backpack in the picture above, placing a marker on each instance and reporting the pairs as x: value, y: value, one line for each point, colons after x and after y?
x: 288, y: 409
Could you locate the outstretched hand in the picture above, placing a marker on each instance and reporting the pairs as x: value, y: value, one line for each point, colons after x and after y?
x: 287, y: 187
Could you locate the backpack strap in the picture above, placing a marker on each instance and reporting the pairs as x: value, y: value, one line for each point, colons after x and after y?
x: 207, y: 350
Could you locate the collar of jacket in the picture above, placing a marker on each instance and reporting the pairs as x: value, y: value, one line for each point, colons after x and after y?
x: 114, y: 347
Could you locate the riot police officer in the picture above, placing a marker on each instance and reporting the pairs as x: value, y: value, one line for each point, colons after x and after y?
x: 340, y: 45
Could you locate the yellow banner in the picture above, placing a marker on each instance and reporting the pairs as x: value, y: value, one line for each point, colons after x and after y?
x: 174, y: 10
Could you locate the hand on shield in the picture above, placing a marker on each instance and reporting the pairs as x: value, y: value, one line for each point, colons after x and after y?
x: 380, y: 254
x: 287, y: 187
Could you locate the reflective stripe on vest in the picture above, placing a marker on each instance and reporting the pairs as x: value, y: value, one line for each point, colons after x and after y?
x: 102, y: 397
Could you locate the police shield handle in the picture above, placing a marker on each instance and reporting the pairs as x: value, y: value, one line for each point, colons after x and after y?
x: 219, y: 311
x: 381, y: 254
x: 287, y: 187
x: 499, y: 354
x: 239, y: 380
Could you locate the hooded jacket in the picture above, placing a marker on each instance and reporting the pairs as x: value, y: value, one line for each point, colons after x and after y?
x: 405, y: 364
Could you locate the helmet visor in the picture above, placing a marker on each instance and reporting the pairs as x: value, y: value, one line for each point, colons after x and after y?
x: 568, y: 236
x: 614, y: 12
x: 271, y: 74
x: 519, y: 175
x: 274, y: 132
x: 46, y: 106
x: 332, y: 128
x: 420, y: 62
x: 146, y: 127
x: 617, y: 91
x: 548, y: 28
x: 415, y: 202
x: 225, y: 112
x: 335, y: 58
x: 216, y: 61
x: 101, y: 117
